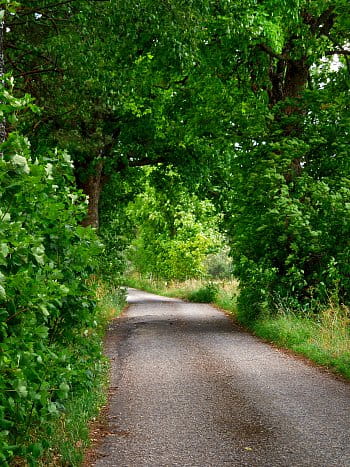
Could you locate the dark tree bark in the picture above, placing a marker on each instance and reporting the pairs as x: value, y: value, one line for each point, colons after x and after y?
x: 297, y: 74
x: 92, y: 187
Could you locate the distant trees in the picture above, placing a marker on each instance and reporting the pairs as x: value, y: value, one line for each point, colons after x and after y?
x: 175, y: 231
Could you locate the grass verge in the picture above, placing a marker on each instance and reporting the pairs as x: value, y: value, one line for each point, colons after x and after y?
x: 70, y: 434
x: 324, y: 338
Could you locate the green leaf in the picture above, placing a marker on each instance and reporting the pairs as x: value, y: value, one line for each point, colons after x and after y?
x: 42, y: 332
x: 36, y: 450
x: 52, y: 408
x: 38, y: 253
x: 44, y: 310
x: 4, y: 249
x: 21, y: 390
x: 63, y: 390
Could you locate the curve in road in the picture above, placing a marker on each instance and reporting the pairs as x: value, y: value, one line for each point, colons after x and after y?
x: 189, y: 388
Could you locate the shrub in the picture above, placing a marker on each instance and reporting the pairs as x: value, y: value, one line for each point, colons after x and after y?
x: 205, y: 294
x: 48, y: 318
x: 219, y: 265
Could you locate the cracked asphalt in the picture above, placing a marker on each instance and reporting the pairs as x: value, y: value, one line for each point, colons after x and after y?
x: 189, y: 388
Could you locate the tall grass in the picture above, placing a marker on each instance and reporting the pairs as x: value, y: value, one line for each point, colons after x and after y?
x: 323, y: 338
x: 70, y: 434
x: 226, y: 293
x: 175, y: 289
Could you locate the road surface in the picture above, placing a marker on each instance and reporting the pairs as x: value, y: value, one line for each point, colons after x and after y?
x: 189, y: 388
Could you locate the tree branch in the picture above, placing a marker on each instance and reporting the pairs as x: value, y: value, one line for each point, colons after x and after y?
x: 322, y: 24
x: 266, y: 48
x: 25, y: 52
x: 182, y: 82
x: 38, y: 72
x: 338, y: 52
x: 339, y: 48
x: 31, y: 11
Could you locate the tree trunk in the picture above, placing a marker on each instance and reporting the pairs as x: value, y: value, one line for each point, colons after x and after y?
x: 288, y: 81
x: 92, y: 188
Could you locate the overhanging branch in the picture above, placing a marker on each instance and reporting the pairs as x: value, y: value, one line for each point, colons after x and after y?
x: 338, y: 52
x: 266, y: 48
x: 38, y: 72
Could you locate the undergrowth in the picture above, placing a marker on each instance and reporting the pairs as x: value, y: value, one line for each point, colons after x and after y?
x: 62, y: 440
x: 205, y: 294
x: 70, y: 432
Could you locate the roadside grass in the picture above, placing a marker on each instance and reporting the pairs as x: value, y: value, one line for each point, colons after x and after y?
x: 70, y: 433
x: 324, y: 338
x: 222, y: 293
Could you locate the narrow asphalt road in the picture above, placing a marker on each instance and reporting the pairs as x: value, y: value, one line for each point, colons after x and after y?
x: 190, y: 389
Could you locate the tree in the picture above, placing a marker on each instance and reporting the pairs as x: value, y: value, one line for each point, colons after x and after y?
x: 289, y: 222
x: 108, y: 109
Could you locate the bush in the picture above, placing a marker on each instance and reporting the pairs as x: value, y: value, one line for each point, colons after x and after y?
x: 289, y: 225
x: 206, y: 294
x: 49, y: 349
x: 219, y: 265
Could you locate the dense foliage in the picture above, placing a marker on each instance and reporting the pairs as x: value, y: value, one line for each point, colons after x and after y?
x: 244, y: 100
x: 47, y: 310
x: 289, y: 201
